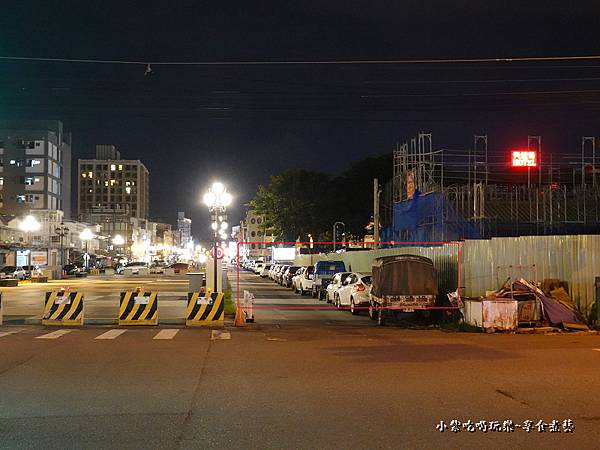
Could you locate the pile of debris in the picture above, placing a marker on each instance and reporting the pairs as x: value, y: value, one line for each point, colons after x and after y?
x: 543, y: 308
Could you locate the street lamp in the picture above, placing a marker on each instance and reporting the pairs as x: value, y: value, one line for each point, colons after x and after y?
x: 29, y: 224
x: 335, y: 229
x: 86, y: 235
x: 117, y: 241
x: 217, y: 199
x: 61, y: 232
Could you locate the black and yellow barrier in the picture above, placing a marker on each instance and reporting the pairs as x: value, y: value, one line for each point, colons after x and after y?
x: 205, y: 310
x: 138, y: 308
x: 63, y: 308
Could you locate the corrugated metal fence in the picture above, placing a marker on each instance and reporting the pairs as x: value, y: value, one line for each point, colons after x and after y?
x: 486, y: 263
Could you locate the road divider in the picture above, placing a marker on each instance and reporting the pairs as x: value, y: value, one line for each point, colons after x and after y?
x: 203, y: 310
x: 63, y: 308
x: 138, y: 308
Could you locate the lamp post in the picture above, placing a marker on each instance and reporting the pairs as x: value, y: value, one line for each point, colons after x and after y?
x: 29, y: 224
x: 117, y: 241
x: 86, y: 235
x: 217, y: 199
x: 335, y: 231
x: 61, y: 232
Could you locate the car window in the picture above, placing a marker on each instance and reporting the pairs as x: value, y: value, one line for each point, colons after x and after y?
x: 366, y: 280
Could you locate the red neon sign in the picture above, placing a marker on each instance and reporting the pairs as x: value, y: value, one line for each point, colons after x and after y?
x: 525, y: 158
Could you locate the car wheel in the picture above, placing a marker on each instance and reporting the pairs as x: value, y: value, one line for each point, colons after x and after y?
x: 353, y: 309
x: 372, y: 311
x: 380, y: 317
x: 337, y: 302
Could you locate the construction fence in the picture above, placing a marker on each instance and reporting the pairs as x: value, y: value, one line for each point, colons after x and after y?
x: 486, y: 263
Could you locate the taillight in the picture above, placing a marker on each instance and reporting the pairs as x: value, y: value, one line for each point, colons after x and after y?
x: 359, y: 287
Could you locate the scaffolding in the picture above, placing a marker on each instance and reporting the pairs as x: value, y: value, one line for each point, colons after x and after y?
x: 482, y: 196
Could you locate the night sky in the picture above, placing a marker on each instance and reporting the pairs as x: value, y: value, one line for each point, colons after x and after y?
x: 240, y: 124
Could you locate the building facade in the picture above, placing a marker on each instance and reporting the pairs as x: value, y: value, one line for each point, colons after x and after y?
x: 35, y: 167
x: 184, y: 228
x: 111, y: 183
x: 257, y: 237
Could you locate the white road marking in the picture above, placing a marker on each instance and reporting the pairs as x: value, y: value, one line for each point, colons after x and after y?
x: 54, y: 335
x: 166, y: 334
x: 597, y: 349
x: 7, y: 333
x: 111, y: 334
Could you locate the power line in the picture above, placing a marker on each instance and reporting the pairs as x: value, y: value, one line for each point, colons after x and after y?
x: 309, y: 62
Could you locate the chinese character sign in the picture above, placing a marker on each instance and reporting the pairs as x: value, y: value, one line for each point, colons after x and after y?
x: 523, y: 158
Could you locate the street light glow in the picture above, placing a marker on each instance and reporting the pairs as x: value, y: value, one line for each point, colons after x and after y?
x: 224, y: 225
x: 118, y: 240
x: 214, y: 226
x: 86, y: 234
x: 29, y: 224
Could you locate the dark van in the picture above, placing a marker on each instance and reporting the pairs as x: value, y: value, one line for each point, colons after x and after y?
x: 324, y: 272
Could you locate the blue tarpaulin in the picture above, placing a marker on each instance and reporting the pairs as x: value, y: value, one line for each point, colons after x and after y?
x: 428, y: 218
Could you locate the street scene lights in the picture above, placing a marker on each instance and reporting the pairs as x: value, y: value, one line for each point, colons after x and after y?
x: 29, y: 224
x: 62, y: 231
x: 86, y: 235
x: 217, y: 199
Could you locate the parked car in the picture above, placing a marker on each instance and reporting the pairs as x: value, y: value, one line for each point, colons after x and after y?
x: 264, y: 273
x: 280, y: 272
x: 32, y: 271
x: 272, y: 270
x: 258, y: 267
x: 158, y: 267
x: 324, y: 272
x: 134, y: 266
x: 13, y: 272
x: 306, y: 280
x: 402, y: 284
x: 296, y: 279
x: 71, y: 269
x: 179, y: 266
x: 354, y: 291
x: 286, y: 277
x: 335, y: 284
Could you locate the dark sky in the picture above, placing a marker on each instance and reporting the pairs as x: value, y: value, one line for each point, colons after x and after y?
x: 240, y: 124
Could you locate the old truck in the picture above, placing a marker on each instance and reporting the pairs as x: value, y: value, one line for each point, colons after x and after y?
x: 402, y: 284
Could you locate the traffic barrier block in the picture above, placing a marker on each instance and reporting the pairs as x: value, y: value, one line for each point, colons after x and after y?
x: 63, y: 308
x: 138, y: 308
x: 205, y: 310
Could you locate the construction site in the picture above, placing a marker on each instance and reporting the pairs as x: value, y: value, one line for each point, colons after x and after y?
x: 440, y: 194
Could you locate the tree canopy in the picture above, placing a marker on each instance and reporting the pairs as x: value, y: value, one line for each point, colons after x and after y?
x: 298, y: 202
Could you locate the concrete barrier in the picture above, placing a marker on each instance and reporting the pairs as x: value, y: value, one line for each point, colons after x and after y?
x: 63, y: 308
x: 138, y: 308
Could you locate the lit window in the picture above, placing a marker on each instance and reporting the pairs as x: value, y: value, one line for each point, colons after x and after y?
x: 128, y: 190
x: 84, y: 175
x: 112, y: 182
x: 106, y: 183
x: 1, y: 181
x: 28, y: 181
x: 113, y: 167
x: 33, y: 162
x: 13, y: 162
x: 20, y: 199
x: 90, y: 190
x: 120, y: 166
x: 90, y: 174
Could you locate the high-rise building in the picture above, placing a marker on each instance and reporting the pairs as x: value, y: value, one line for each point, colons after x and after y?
x: 184, y: 228
x: 110, y: 183
x: 35, y: 167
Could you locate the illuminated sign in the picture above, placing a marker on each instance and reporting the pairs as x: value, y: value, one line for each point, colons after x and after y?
x: 524, y: 158
x: 284, y: 253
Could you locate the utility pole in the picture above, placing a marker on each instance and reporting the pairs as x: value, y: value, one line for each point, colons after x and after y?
x: 376, y: 213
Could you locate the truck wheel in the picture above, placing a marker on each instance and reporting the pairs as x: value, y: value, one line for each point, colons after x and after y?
x: 353, y: 309
x: 380, y: 317
x: 372, y: 311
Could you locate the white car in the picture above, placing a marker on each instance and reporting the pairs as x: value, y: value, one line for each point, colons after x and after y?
x: 295, y: 281
x: 335, y: 284
x: 264, y: 273
x: 134, y: 266
x: 354, y: 291
x: 305, y: 281
x: 258, y: 267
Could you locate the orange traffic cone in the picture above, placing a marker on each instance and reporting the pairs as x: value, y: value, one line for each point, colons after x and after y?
x: 240, y: 317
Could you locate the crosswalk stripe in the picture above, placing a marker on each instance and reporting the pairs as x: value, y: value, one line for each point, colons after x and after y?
x: 166, y: 334
x: 111, y: 334
x: 54, y: 335
x: 6, y: 333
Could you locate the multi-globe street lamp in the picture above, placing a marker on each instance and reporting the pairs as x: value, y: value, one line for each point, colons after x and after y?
x: 217, y: 199
x: 335, y: 232
x: 86, y: 236
x: 29, y: 224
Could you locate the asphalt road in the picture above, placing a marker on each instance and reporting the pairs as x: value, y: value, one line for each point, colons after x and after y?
x: 323, y: 380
